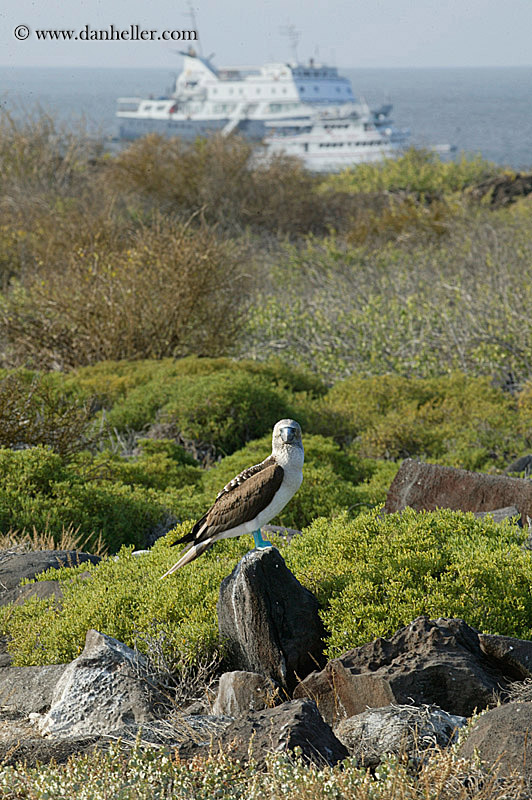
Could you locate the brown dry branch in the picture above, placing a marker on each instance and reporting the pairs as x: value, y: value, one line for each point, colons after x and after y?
x: 33, y: 413
x: 173, y: 292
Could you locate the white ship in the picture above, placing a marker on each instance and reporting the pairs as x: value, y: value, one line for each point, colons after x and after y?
x: 207, y: 99
x: 338, y: 137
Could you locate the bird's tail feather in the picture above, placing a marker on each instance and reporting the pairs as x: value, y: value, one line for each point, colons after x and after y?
x: 190, y: 552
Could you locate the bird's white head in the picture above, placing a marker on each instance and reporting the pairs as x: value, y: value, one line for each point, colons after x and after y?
x: 287, y: 445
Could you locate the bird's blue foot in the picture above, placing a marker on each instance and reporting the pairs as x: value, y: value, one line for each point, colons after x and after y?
x: 259, y: 541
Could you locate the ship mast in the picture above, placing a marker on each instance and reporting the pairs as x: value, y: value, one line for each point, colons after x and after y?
x: 192, y: 15
x: 293, y: 35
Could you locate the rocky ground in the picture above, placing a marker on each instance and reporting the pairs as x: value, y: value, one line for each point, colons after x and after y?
x: 408, y: 693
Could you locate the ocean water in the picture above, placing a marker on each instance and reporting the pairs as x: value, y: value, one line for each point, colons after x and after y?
x: 479, y: 110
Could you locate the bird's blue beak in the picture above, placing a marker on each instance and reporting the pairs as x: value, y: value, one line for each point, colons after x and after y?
x: 288, y: 434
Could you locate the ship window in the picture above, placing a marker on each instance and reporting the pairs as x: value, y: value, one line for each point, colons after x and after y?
x: 316, y: 89
x: 275, y: 107
x: 302, y: 88
x: 160, y: 107
x: 215, y: 91
x: 284, y: 91
x: 258, y: 91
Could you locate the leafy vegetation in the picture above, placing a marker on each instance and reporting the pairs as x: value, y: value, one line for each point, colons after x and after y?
x: 160, y: 309
x: 372, y: 575
x: 419, y: 171
x: 144, y: 774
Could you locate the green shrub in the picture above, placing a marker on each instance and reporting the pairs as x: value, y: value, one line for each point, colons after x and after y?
x: 159, y: 464
x: 227, y: 409
x: 218, y: 402
x: 371, y: 575
x: 125, y: 598
x: 376, y: 573
x: 418, y: 170
x: 457, y: 420
x: 37, y: 489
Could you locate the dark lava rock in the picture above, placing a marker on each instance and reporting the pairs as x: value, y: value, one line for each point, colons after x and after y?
x: 502, y: 190
x: 502, y: 739
x: 293, y: 724
x: 429, y: 662
x: 269, y: 621
x: 514, y: 654
x: 429, y: 486
x: 341, y: 694
x: 15, y: 567
x: 40, y: 589
x: 19, y: 743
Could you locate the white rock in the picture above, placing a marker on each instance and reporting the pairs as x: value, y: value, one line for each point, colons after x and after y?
x: 103, y: 691
x: 395, y: 729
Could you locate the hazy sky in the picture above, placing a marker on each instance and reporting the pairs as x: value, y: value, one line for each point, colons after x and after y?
x: 349, y: 33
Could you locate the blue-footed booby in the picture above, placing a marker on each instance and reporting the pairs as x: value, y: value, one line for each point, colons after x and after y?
x: 252, y: 498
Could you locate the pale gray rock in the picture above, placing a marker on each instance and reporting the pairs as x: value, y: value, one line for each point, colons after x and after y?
x: 104, y: 691
x: 240, y: 692
x: 501, y: 514
x: 377, y: 732
x: 28, y: 690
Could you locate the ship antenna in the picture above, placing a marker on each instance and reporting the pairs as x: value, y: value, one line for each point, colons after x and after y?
x: 192, y: 14
x: 294, y: 36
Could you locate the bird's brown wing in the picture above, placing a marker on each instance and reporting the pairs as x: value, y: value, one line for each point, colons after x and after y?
x: 245, y: 474
x: 241, y: 504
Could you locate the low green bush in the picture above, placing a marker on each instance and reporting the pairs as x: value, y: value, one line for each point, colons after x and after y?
x: 376, y: 573
x: 159, y: 464
x: 372, y: 575
x: 125, y: 598
x: 218, y: 402
x: 418, y: 170
x: 456, y: 420
x: 39, y: 490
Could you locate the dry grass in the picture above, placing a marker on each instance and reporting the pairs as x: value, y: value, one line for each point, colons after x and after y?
x: 25, y: 541
x: 141, y: 773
